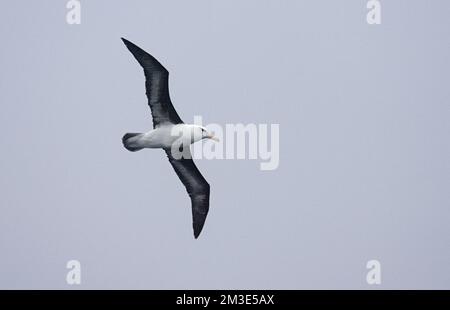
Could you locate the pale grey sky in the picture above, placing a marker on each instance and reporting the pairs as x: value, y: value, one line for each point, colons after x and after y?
x: 364, y: 145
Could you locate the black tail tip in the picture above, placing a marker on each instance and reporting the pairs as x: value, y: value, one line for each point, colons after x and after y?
x: 127, y: 143
x: 128, y: 135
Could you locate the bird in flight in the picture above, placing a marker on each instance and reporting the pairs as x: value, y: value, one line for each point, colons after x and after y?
x: 171, y: 134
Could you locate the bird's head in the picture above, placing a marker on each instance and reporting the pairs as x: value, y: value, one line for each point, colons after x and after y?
x: 200, y: 133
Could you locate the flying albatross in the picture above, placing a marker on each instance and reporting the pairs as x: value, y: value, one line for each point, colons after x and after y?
x: 166, y: 122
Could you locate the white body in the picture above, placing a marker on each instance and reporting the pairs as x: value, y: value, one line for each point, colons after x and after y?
x: 164, y: 136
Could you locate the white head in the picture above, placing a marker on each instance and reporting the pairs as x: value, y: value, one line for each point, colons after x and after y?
x: 199, y: 133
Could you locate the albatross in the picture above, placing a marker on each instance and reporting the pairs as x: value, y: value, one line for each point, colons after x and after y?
x: 166, y: 122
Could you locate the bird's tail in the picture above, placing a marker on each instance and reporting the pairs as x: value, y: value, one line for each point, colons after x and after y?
x: 130, y: 142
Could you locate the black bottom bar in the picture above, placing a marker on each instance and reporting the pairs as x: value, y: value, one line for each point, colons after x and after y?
x: 206, y: 299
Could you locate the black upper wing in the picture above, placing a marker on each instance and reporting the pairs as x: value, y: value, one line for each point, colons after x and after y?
x: 197, y: 188
x: 157, y: 86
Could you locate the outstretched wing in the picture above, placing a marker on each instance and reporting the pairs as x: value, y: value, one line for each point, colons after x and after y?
x: 157, y: 86
x: 197, y: 188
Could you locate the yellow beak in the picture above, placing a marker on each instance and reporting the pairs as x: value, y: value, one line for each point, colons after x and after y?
x: 212, y: 137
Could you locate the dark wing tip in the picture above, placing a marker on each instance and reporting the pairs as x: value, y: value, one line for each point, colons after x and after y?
x: 198, y: 228
x: 200, y: 208
x: 198, y: 225
x: 133, y: 48
x: 147, y: 61
x: 127, y: 43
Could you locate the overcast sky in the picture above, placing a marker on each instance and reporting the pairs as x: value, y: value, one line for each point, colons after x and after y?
x: 364, y: 150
